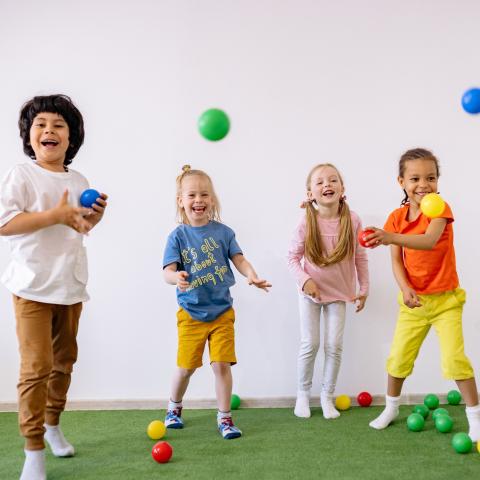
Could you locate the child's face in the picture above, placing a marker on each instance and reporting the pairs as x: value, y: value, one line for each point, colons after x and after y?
x: 196, y: 199
x: 325, y: 187
x: 49, y: 138
x: 419, y: 179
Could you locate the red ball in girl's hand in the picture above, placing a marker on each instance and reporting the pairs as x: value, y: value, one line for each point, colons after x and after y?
x: 364, y: 399
x: 361, y: 237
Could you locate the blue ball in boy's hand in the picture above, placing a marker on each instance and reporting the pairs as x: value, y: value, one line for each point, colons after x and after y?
x: 88, y: 198
x: 471, y: 101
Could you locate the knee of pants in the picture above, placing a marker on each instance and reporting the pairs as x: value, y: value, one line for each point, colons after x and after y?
x: 333, y: 351
x: 309, y: 348
x: 35, y: 368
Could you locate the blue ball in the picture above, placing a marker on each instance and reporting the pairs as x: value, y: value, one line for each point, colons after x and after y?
x: 471, y: 101
x: 88, y: 197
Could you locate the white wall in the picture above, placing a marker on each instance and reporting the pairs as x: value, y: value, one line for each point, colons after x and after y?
x: 353, y: 83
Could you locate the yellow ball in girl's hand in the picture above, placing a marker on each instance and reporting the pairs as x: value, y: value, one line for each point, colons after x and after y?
x: 432, y: 205
x: 343, y: 402
x: 156, y: 430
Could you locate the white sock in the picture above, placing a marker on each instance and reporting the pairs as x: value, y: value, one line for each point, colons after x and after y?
x: 34, y: 466
x: 329, y: 410
x: 222, y: 415
x: 174, y: 405
x: 389, y: 414
x: 473, y: 417
x: 302, y: 405
x: 59, y: 446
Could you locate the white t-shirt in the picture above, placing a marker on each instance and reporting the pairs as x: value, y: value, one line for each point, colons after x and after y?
x: 49, y: 265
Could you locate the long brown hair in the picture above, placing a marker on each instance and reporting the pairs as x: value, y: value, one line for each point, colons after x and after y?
x: 415, y: 154
x: 314, y: 250
x: 188, y: 172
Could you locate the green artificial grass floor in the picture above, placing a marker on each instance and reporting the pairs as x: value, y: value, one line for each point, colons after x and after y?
x: 275, y: 445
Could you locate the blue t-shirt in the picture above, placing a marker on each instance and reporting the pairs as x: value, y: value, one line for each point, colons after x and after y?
x: 204, y: 253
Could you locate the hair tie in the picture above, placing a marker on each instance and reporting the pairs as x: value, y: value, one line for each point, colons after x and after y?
x: 186, y: 168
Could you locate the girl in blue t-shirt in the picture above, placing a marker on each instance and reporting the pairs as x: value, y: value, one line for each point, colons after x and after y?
x: 197, y: 260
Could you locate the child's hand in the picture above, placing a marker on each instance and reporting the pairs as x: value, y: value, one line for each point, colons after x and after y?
x: 97, y: 210
x: 263, y: 284
x: 361, y: 299
x: 311, y: 289
x: 72, y: 217
x: 378, y: 237
x: 410, y: 298
x: 182, y: 283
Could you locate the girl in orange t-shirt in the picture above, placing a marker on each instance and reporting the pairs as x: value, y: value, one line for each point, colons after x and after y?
x: 423, y: 261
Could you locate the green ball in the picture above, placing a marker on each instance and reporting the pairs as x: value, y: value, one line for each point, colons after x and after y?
x: 444, y: 423
x: 422, y: 410
x: 235, y: 402
x: 462, y: 443
x: 438, y: 412
x: 415, y: 422
x: 431, y: 401
x: 454, y: 397
x: 213, y: 124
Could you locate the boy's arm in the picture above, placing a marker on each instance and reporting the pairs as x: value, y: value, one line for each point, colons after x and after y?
x: 410, y: 297
x: 63, y: 213
x: 425, y: 241
x: 98, y: 210
x: 246, y: 269
x: 174, y: 277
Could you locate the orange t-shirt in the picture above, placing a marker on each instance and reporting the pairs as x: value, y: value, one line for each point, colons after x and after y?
x: 428, y: 271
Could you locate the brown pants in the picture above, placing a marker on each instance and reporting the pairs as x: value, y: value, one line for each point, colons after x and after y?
x: 48, y: 349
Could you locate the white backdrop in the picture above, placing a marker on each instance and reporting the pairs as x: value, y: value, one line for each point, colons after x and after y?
x: 352, y: 83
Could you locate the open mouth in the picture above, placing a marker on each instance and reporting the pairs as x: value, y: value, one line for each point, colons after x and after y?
x: 199, y: 210
x: 328, y: 193
x: 49, y: 143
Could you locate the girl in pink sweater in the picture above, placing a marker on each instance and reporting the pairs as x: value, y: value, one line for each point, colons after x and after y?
x: 326, y: 261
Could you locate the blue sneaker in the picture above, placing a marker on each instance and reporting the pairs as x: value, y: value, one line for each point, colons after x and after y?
x: 227, y: 429
x: 173, y: 418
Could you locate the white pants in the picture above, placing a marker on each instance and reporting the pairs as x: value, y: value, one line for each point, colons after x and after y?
x: 334, y: 324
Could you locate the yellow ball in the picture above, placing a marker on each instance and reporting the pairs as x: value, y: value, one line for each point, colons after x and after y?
x: 156, y: 430
x: 432, y: 205
x: 343, y: 402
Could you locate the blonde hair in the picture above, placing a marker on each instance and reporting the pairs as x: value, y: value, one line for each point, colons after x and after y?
x: 187, y: 171
x: 314, y: 249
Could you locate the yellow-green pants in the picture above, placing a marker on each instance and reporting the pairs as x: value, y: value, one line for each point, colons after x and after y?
x: 443, y: 311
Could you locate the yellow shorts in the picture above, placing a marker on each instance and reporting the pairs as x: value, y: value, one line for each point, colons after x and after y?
x: 443, y: 311
x: 193, y: 334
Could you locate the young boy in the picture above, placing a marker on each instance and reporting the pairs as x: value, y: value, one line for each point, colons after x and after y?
x: 47, y: 275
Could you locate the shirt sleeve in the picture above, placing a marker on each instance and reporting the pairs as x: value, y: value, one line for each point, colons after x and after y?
x: 172, y: 251
x: 13, y: 196
x: 361, y: 262
x: 233, y: 246
x: 390, y: 224
x: 447, y: 214
x: 296, y: 253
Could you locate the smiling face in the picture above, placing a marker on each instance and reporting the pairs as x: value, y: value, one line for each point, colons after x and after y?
x: 49, y: 139
x: 325, y: 186
x: 196, y: 199
x: 420, y: 177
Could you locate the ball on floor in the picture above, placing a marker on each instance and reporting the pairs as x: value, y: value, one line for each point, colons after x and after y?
x: 343, y: 402
x: 156, y: 430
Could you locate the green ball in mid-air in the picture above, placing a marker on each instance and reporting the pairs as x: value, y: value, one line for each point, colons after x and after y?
x: 415, y: 422
x: 439, y: 411
x: 454, y: 397
x: 462, y: 443
x: 213, y: 124
x: 444, y: 423
x: 235, y: 402
x: 431, y: 401
x: 423, y: 410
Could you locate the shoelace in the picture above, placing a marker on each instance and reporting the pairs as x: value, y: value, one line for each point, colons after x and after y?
x: 227, y: 423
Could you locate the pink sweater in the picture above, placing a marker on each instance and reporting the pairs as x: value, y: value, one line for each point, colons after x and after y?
x: 337, y: 281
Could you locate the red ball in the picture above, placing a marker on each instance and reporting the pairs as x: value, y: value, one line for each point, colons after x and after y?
x: 364, y: 399
x: 162, y: 452
x: 361, y: 237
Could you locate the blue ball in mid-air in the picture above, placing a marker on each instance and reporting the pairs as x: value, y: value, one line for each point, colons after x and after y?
x: 88, y: 197
x: 471, y: 101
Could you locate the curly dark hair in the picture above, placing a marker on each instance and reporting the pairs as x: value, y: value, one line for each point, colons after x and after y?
x: 60, y: 104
